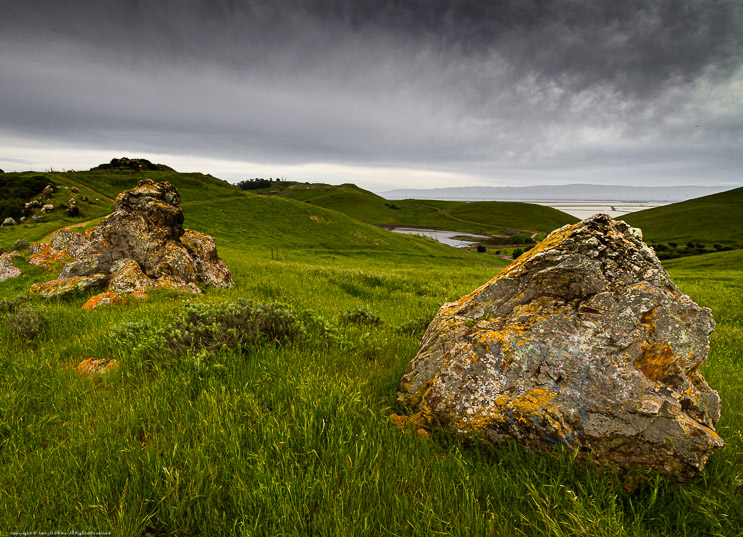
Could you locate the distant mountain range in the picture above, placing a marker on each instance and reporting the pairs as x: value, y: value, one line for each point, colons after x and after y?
x: 573, y: 192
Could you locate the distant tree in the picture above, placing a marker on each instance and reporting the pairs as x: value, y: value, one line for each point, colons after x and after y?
x: 253, y: 184
x: 517, y: 252
x: 481, y: 249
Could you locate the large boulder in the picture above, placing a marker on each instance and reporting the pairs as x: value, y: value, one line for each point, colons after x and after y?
x: 140, y: 246
x: 582, y: 342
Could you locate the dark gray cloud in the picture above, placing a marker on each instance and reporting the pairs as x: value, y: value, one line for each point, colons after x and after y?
x: 481, y: 87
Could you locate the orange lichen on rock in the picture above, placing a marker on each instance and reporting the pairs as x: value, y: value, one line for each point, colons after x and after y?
x: 107, y: 298
x: 46, y: 257
x: 92, y: 366
x: 64, y: 286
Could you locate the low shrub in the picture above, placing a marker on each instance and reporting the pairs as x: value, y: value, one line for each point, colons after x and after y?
x: 208, y: 327
x: 21, y: 319
x: 360, y: 315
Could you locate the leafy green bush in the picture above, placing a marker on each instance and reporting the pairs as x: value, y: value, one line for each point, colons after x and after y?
x: 16, y: 190
x: 360, y: 315
x: 11, y: 208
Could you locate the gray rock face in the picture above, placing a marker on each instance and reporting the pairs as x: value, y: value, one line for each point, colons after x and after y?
x: 582, y: 342
x: 7, y: 269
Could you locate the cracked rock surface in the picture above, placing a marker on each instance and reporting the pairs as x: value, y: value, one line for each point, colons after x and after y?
x: 140, y: 246
x: 582, y: 342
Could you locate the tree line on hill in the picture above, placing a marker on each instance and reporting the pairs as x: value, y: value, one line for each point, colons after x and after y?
x: 259, y: 182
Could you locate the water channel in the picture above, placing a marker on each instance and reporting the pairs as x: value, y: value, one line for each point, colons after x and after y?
x: 444, y: 237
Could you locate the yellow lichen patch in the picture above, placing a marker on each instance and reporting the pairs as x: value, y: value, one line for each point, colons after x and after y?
x: 534, y: 402
x: 487, y: 412
x: 509, y: 339
x: 657, y: 362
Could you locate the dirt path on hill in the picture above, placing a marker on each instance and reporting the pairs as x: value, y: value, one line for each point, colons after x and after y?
x: 86, y: 187
x: 442, y: 211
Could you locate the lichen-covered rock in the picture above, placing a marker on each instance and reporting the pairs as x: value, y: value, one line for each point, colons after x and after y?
x: 65, y: 246
x: 204, y: 252
x: 7, y: 269
x: 127, y: 277
x: 48, y: 192
x: 582, y: 342
x: 72, y: 208
x: 47, y: 208
x: 96, y: 366
x: 67, y: 286
x: 140, y: 246
x: 9, y: 222
x: 107, y: 298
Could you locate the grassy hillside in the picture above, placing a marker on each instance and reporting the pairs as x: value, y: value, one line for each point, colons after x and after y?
x: 708, y: 223
x: 237, y: 219
x: 488, y: 217
x: 295, y: 437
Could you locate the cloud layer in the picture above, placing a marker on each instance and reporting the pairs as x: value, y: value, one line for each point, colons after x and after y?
x: 508, y: 92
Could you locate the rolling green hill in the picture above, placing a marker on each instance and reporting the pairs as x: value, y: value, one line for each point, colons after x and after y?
x: 486, y: 217
x: 295, y: 436
x: 238, y: 219
x: 695, y: 226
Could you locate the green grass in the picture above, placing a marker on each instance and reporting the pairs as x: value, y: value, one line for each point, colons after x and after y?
x: 34, y: 231
x: 708, y: 220
x: 488, y: 217
x: 295, y: 439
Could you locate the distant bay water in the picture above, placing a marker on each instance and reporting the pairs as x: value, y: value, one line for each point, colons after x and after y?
x: 584, y: 209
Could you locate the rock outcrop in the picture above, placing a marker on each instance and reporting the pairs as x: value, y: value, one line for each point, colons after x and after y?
x: 72, y: 208
x: 7, y: 269
x: 140, y: 246
x: 582, y: 342
x: 9, y: 222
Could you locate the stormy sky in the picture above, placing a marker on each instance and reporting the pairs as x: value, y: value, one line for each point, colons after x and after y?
x: 383, y: 93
